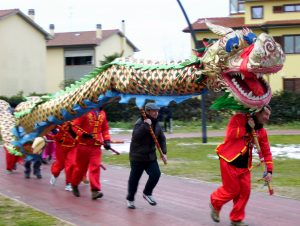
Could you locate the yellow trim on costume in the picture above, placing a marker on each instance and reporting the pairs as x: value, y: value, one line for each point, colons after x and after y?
x: 238, y: 132
x: 68, y: 145
x: 239, y: 154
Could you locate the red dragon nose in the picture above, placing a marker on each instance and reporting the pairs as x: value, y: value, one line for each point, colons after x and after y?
x: 250, y: 78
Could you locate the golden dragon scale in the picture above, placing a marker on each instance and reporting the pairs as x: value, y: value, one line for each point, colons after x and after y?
x: 236, y: 63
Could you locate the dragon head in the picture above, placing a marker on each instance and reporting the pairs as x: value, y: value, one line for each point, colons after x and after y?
x: 238, y: 61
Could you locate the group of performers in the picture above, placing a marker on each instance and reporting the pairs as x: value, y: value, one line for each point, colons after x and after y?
x: 78, y: 151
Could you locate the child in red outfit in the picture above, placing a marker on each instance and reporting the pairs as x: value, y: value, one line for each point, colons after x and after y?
x: 65, y: 154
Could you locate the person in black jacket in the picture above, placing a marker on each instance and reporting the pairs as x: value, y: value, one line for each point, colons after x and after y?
x: 143, y: 157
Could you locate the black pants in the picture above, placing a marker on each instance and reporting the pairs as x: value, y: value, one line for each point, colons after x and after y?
x: 36, y: 166
x: 137, y: 169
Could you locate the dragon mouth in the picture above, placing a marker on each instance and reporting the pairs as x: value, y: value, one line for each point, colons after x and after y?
x: 251, y: 90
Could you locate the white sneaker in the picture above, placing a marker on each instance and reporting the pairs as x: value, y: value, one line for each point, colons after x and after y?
x: 130, y: 204
x: 68, y: 187
x: 150, y: 199
x: 53, y: 180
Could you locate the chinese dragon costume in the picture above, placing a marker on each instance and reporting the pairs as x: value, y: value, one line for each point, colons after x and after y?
x: 236, y: 64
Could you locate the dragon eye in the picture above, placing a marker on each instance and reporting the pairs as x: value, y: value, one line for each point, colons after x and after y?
x: 254, y: 39
x: 235, y: 46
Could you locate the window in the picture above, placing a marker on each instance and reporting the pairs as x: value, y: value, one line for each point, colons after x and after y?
x: 257, y: 12
x: 291, y: 8
x: 292, y: 44
x: 82, y: 60
x: 291, y: 85
x: 237, y: 6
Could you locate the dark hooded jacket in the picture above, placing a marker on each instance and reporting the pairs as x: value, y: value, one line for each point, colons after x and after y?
x: 142, y: 147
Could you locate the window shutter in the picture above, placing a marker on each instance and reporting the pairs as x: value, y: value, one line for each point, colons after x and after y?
x: 277, y: 9
x: 288, y: 85
x: 297, y: 85
x: 291, y: 85
x: 279, y: 40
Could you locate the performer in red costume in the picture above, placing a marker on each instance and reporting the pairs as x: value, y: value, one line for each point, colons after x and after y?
x: 11, y: 161
x: 65, y: 153
x: 236, y: 161
x: 92, y: 131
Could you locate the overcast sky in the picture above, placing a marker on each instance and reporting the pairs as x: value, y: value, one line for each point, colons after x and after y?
x: 154, y: 26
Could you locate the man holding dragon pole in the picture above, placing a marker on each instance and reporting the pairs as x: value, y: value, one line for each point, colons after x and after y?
x: 235, y: 156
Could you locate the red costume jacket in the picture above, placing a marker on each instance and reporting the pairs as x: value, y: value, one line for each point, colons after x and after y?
x: 93, y: 123
x: 63, y: 135
x: 237, y: 141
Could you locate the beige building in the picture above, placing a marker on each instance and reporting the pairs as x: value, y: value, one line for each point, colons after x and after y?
x: 22, y: 53
x: 72, y: 55
x: 33, y: 60
x: 279, y: 18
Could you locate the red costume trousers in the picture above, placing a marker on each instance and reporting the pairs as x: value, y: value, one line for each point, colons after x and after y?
x: 236, y: 186
x: 88, y: 157
x: 11, y: 160
x: 65, y: 159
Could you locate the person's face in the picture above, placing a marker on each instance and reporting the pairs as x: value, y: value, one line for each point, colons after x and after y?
x: 153, y: 113
x: 263, y: 116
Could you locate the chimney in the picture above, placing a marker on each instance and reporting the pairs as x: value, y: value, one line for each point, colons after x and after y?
x: 99, y: 31
x: 51, y: 29
x: 31, y: 14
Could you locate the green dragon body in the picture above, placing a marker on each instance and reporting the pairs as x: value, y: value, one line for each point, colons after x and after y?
x: 236, y: 63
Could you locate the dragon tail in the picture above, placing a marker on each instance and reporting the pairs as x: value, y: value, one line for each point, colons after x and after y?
x: 7, y: 126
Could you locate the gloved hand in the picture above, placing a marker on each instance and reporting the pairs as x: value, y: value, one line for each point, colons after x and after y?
x: 106, y: 144
x: 87, y: 136
x: 148, y: 121
x: 267, y: 176
x: 55, y: 131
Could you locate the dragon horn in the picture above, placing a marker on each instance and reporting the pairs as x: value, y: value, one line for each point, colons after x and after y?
x: 217, y: 29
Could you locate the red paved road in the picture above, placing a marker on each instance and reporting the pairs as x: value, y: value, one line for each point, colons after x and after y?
x: 180, y: 201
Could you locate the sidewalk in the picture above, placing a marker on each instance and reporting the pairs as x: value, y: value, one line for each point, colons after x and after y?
x: 209, y: 134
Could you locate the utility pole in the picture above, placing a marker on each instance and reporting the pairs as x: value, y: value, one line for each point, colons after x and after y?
x: 203, y: 96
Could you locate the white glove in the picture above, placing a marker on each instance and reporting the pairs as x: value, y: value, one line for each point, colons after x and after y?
x: 148, y: 121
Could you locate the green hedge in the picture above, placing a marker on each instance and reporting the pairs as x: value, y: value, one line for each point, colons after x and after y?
x: 285, y: 107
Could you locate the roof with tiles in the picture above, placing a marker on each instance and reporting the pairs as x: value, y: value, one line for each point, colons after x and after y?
x: 80, y: 38
x: 237, y: 22
x: 11, y: 12
x: 7, y: 12
x: 84, y: 38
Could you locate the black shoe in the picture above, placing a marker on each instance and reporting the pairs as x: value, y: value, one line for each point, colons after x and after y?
x: 150, y: 199
x: 214, y: 214
x: 75, y: 191
x: 97, y: 195
x: 130, y: 204
x: 27, y: 176
x: 238, y: 223
x: 38, y: 176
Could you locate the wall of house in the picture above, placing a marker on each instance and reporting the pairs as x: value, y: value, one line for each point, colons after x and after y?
x: 110, y: 46
x: 22, y: 58
x: 290, y: 70
x: 55, y: 69
x: 268, y: 11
